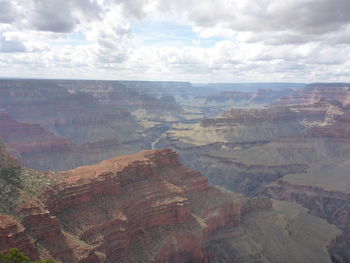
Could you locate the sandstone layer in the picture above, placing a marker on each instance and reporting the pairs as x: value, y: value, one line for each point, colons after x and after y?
x: 147, y: 207
x: 314, y: 92
x: 260, y: 98
x: 295, y: 153
x: 49, y: 128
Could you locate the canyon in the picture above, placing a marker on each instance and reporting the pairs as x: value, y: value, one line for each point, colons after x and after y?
x: 314, y: 92
x: 147, y: 207
x: 297, y: 153
x: 278, y: 156
x: 67, y: 129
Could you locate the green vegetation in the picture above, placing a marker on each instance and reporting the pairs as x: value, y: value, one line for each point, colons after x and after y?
x: 11, y: 175
x: 16, y: 181
x: 9, y: 185
x: 14, y: 255
x: 33, y: 182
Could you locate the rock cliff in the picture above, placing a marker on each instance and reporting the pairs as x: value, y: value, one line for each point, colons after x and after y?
x: 296, y: 153
x: 12, y: 235
x: 41, y: 149
x: 49, y: 128
x: 314, y: 92
x: 126, y: 95
x: 145, y: 207
x: 258, y: 125
x: 78, y: 117
x: 260, y: 97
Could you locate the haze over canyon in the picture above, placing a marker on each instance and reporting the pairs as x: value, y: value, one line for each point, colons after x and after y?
x: 135, y: 171
x: 174, y: 131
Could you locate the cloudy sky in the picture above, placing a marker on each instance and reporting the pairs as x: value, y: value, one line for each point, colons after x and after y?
x: 189, y: 40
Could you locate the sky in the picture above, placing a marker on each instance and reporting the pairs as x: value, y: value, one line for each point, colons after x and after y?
x: 179, y: 40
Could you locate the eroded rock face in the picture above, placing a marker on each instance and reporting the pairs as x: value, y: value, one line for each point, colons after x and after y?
x: 339, y: 129
x: 41, y: 149
x: 23, y: 138
x: 145, y: 207
x: 334, y: 206
x: 129, y: 195
x: 294, y: 153
x: 78, y: 117
x: 49, y: 128
x: 258, y: 125
x: 115, y: 206
x: 236, y: 96
x: 314, y: 92
x: 239, y: 98
x: 12, y: 235
x: 126, y: 95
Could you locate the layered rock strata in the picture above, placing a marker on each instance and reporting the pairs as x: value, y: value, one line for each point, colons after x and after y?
x: 145, y: 207
x: 295, y: 153
x: 314, y: 92
x: 50, y: 128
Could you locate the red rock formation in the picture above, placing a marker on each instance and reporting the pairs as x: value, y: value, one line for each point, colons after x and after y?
x: 26, y: 138
x: 254, y: 125
x: 261, y: 96
x: 46, y: 229
x: 112, y: 212
x: 53, y: 129
x: 125, y: 95
x: 144, y: 207
x: 246, y: 116
x: 40, y: 149
x: 136, y: 195
x: 12, y: 235
x: 314, y: 92
x: 340, y: 129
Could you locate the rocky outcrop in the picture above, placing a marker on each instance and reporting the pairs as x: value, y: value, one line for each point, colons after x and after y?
x: 49, y: 128
x: 247, y: 99
x: 136, y: 197
x: 269, y: 96
x: 130, y: 197
x: 339, y: 129
x: 42, y: 150
x: 12, y: 235
x: 75, y: 116
x: 126, y: 95
x: 145, y: 207
x: 24, y: 138
x: 242, y: 125
x: 334, y: 206
x: 295, y: 153
x: 314, y: 92
x: 257, y: 125
x: 47, y: 230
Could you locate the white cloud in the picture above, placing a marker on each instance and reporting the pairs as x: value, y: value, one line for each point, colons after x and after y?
x: 250, y: 40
